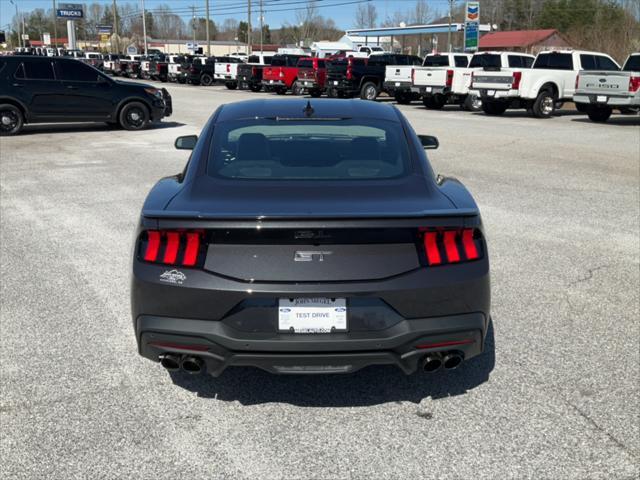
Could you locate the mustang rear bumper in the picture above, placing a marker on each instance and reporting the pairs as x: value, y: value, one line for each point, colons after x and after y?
x: 220, y: 346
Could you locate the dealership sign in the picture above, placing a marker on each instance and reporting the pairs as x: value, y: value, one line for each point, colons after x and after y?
x: 472, y: 26
x: 70, y: 10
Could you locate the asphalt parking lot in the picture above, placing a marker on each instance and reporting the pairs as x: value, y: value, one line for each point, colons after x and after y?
x: 556, y: 395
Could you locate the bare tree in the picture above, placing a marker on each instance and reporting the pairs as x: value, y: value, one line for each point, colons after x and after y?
x: 366, y: 16
x: 421, y: 14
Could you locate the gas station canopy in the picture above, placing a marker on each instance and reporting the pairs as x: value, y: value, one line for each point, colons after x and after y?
x: 412, y: 30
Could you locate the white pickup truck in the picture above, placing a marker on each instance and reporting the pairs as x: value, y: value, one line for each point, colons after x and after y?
x: 226, y: 70
x: 446, y: 78
x: 397, y: 79
x: 599, y: 92
x: 540, y: 89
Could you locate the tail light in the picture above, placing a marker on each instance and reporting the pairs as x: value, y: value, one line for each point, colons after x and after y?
x: 515, y: 83
x: 193, y: 70
x: 254, y: 71
x: 158, y: 68
x: 449, y: 78
x: 172, y: 247
x: 452, y: 246
x: 281, y: 74
x: 228, y: 67
x: 577, y: 81
x: 349, y: 69
x: 634, y: 84
x: 413, y: 76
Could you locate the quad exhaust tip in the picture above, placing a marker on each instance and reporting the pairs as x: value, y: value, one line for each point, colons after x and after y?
x: 452, y: 360
x: 431, y: 363
x: 170, y: 362
x: 192, y: 365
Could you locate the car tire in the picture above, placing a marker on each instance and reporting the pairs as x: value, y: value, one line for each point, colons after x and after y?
x: 403, y: 98
x: 434, y: 102
x: 369, y: 91
x: 134, y: 116
x: 231, y: 86
x: 255, y: 88
x: 599, y: 113
x: 315, y: 93
x: 206, y: 80
x: 281, y: 91
x: 472, y: 103
x: 11, y: 120
x: 582, y: 107
x: 296, y: 88
x: 545, y: 104
x: 494, y: 108
x: 182, y: 81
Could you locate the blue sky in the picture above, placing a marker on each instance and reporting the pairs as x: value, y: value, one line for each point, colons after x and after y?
x: 275, y: 14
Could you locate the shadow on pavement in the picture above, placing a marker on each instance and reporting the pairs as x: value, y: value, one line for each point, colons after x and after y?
x: 36, y: 128
x: 623, y: 121
x: 370, y: 386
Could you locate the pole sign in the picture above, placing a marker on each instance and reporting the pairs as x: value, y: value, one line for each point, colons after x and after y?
x: 132, y: 49
x: 471, y: 26
x: 70, y: 10
x: 46, y: 38
x: 104, y: 29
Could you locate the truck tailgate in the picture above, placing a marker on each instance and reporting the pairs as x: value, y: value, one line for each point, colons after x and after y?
x: 398, y: 73
x: 483, y: 79
x: 430, y: 76
x: 604, y: 83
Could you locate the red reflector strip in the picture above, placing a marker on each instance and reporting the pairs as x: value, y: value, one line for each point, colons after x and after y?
x: 445, y: 344
x: 431, y: 247
x: 177, y: 346
x: 191, y: 251
x: 153, y: 244
x: 470, y: 249
x: 171, y: 251
x: 450, y: 246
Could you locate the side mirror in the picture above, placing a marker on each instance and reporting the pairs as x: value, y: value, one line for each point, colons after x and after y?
x: 187, y: 142
x: 429, y: 142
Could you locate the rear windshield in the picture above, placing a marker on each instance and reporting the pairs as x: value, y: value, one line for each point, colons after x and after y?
x: 305, y: 63
x: 485, y: 60
x: 279, y: 62
x: 554, y: 61
x: 436, y: 61
x: 633, y: 64
x: 308, y: 149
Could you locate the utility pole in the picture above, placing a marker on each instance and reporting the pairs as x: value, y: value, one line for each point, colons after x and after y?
x: 193, y: 26
x: 261, y: 28
x: 144, y: 27
x: 18, y: 20
x: 208, y: 37
x: 248, y: 27
x: 115, y: 25
x: 449, y: 31
x: 55, y: 26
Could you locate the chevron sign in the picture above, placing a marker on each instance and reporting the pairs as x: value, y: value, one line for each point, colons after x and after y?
x: 472, y: 26
x: 473, y: 12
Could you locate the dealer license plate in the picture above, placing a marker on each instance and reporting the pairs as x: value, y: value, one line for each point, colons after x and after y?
x: 601, y: 99
x: 491, y: 93
x: 429, y: 89
x: 312, y: 315
x: 306, y: 83
x: 270, y: 81
x: 335, y: 82
x: 397, y: 84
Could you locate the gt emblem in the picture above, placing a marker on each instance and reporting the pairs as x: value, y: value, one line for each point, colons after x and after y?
x: 310, y: 256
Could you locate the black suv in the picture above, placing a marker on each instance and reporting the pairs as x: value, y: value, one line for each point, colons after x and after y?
x: 45, y: 89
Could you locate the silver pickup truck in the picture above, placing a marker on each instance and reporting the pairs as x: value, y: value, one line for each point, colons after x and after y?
x: 599, y: 93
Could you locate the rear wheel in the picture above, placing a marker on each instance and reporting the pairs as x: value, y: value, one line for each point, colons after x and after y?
x: 11, y: 120
x: 582, y: 107
x: 206, y: 79
x: 434, y: 102
x: 369, y: 91
x: 255, y: 88
x: 472, y: 103
x: 134, y: 116
x: 315, y: 93
x: 281, y: 91
x: 231, y: 86
x: 296, y: 88
x: 403, y: 98
x: 494, y: 108
x: 545, y: 104
x: 599, y: 113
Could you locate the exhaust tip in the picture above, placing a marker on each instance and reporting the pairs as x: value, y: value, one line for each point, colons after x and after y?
x: 192, y: 365
x: 452, y: 360
x: 431, y: 363
x: 170, y: 362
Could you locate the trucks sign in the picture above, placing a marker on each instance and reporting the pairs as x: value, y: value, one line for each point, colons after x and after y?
x: 70, y: 10
x: 471, y: 26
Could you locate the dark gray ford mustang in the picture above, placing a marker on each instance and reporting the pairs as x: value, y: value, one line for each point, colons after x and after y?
x: 309, y: 237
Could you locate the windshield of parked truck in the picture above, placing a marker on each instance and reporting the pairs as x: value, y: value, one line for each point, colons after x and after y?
x: 633, y: 64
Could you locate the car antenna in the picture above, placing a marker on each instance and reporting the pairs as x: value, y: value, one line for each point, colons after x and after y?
x: 308, y: 110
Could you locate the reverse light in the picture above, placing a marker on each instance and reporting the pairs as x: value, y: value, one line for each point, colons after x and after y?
x: 634, y: 84
x: 515, y: 83
x: 451, y: 246
x: 172, y: 247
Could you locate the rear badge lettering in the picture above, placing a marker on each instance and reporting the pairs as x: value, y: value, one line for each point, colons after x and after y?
x: 310, y: 256
x: 175, y: 277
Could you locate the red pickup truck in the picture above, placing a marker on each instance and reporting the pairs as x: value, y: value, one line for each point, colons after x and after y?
x: 312, y: 74
x: 281, y: 74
